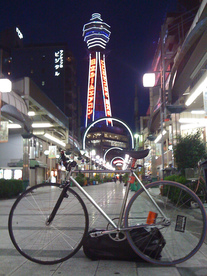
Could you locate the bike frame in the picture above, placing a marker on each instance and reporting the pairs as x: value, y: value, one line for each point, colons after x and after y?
x: 123, y: 207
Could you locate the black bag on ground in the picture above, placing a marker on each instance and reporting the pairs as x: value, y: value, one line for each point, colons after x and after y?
x: 103, y: 247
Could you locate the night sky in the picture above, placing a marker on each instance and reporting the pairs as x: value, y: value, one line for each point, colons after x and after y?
x: 135, y: 28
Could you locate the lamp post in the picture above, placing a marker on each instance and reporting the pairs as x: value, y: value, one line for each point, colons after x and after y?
x: 5, y: 87
x: 92, y: 154
x: 149, y: 81
x: 136, y: 136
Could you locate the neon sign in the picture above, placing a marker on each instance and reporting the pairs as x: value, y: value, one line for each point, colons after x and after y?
x: 105, y: 89
x: 118, y: 161
x: 97, y: 62
x: 58, y: 62
x: 91, y: 88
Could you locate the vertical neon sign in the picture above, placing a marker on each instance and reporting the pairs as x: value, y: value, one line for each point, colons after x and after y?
x: 97, y: 60
x: 105, y: 88
x: 91, y: 88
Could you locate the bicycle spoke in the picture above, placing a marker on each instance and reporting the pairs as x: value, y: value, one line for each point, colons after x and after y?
x: 51, y: 243
x: 181, y: 238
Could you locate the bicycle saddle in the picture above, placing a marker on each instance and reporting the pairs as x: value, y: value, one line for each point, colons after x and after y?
x: 140, y: 154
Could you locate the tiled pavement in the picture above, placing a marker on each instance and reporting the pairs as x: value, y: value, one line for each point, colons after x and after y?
x: 109, y: 197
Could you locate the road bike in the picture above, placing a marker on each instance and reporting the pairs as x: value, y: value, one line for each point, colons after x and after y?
x: 49, y: 222
x: 198, y: 183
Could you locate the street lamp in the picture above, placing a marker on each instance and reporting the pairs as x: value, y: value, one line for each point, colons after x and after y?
x: 136, y: 136
x: 149, y: 81
x: 92, y: 154
x: 5, y: 87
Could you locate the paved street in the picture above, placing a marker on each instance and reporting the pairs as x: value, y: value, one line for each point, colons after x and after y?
x: 109, y: 197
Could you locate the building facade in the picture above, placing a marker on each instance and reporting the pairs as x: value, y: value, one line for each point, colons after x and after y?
x: 33, y: 126
x: 51, y: 66
x: 177, y: 101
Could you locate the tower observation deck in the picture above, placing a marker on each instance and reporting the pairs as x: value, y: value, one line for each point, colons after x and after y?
x: 96, y: 34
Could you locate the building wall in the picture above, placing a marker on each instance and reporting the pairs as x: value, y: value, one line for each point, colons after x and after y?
x: 53, y: 68
x: 38, y: 63
x: 12, y: 150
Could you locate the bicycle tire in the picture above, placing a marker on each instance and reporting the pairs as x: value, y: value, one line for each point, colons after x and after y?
x: 48, y: 244
x: 183, y: 236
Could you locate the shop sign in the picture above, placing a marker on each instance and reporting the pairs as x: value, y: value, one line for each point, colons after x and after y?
x: 52, y: 152
x: 3, y: 132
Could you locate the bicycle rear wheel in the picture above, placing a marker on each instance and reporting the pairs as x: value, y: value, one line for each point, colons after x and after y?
x: 42, y: 243
x: 171, y: 241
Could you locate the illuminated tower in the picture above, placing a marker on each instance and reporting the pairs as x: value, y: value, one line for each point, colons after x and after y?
x: 96, y: 34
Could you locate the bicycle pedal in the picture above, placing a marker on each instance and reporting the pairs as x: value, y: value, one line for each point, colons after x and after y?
x: 96, y: 234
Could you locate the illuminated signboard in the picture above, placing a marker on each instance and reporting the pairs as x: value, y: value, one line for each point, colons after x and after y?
x: 118, y: 162
x: 105, y: 89
x: 91, y: 87
x: 97, y: 62
x: 58, y: 62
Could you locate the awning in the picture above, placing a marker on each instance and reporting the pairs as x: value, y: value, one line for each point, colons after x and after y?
x: 33, y: 164
x: 15, y: 100
x: 11, y: 113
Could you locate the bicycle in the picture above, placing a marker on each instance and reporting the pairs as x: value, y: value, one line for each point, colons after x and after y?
x: 48, y: 223
x: 198, y: 184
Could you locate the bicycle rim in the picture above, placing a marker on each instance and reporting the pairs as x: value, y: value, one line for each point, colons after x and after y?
x: 162, y: 243
x: 48, y: 244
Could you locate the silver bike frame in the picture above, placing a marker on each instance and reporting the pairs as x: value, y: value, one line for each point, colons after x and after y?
x: 93, y: 202
x: 118, y: 227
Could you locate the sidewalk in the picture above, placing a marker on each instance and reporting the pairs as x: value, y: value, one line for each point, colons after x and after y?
x: 109, y: 197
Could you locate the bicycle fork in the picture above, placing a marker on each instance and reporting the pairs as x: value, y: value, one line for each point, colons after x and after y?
x: 57, y: 205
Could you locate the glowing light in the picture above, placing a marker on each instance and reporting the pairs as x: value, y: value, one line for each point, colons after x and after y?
x: 105, y: 88
x: 14, y: 126
x: 117, y: 160
x: 91, y: 87
x: 5, y: 85
x: 43, y: 124
x: 104, y: 157
x: 103, y: 119
x: 197, y: 89
x: 96, y: 33
x: 54, y: 139
x: 191, y: 126
x: 58, y: 62
x: 19, y: 33
x: 126, y: 161
x: 31, y: 113
x: 197, y: 112
x: 149, y: 80
x: 192, y: 120
x: 160, y: 136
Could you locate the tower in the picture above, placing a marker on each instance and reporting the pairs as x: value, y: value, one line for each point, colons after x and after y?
x: 96, y: 34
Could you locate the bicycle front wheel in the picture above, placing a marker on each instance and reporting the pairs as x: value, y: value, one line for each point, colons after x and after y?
x: 42, y: 243
x: 178, y: 228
